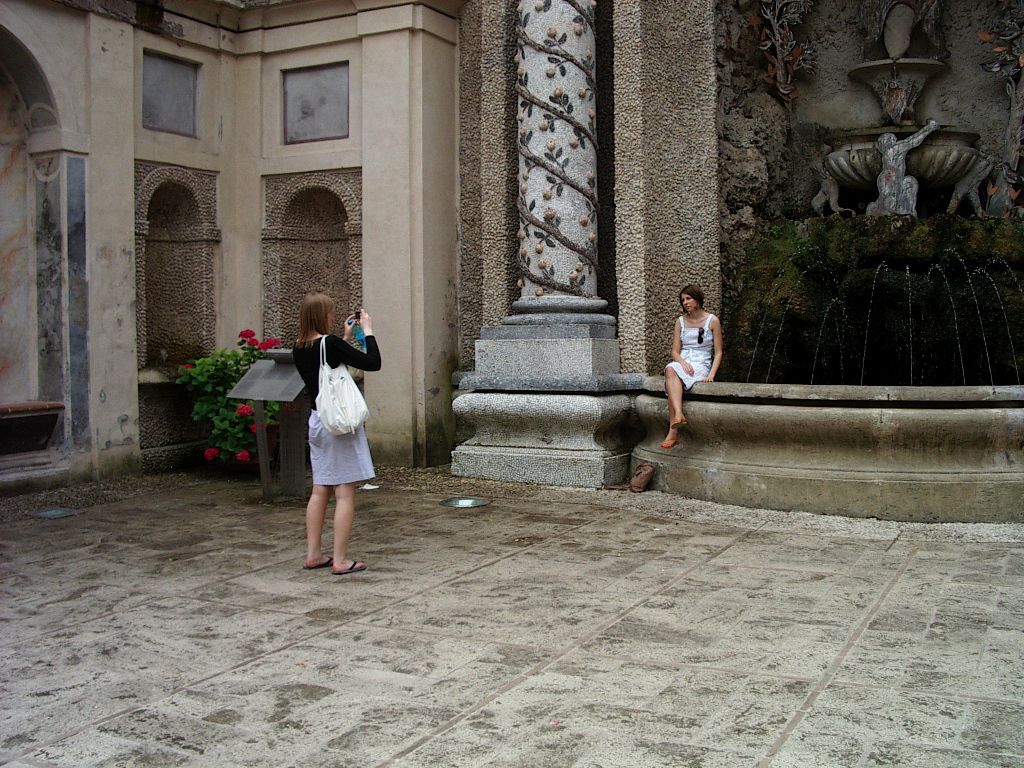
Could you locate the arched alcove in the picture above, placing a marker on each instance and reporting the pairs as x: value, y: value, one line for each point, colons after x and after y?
x: 17, y: 315
x: 178, y: 280
x: 311, y: 242
x: 176, y: 241
x: 22, y: 68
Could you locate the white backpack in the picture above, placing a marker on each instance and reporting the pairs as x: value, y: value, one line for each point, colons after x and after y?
x: 340, y: 404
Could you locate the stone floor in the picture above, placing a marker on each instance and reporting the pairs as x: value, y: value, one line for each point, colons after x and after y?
x: 551, y: 628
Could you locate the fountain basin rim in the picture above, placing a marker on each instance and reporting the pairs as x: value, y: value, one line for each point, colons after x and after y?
x: 855, y: 138
x: 906, y: 66
x: 850, y: 395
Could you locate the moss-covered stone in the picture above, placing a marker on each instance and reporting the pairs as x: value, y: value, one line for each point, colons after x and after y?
x: 892, y: 300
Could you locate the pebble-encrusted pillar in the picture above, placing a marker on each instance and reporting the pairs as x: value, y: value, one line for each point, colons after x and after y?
x: 557, y: 145
x: 549, y: 404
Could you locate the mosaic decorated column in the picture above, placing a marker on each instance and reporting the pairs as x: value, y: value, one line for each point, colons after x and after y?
x: 550, y: 405
x: 557, y: 118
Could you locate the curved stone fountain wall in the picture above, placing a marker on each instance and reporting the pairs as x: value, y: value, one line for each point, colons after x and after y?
x: 926, y: 454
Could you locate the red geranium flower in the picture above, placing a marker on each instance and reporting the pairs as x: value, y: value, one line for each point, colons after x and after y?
x: 246, y: 334
x: 188, y: 366
x: 244, y: 410
x: 252, y: 341
x: 211, y: 453
x: 252, y: 427
x: 243, y: 455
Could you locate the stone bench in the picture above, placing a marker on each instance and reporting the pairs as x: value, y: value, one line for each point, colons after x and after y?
x: 28, y: 427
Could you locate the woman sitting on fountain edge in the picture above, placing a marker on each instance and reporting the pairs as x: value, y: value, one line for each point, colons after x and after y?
x: 696, y: 355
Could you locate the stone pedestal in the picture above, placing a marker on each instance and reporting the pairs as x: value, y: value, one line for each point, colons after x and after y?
x: 548, y: 403
x: 576, y: 440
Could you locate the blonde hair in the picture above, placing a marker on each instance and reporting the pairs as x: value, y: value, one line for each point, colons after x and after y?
x: 313, y: 317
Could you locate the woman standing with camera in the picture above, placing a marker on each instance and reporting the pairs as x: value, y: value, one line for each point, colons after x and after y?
x: 339, y: 462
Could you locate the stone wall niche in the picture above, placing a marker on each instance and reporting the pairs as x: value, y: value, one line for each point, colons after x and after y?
x: 176, y: 241
x: 175, y: 247
x: 311, y: 243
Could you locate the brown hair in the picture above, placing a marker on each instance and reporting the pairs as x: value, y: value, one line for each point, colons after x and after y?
x: 693, y: 291
x: 313, y: 317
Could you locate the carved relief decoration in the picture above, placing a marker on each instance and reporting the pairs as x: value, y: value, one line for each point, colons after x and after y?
x: 776, y: 40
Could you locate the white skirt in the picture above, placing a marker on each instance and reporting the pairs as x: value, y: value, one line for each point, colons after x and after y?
x: 338, y: 459
x: 700, y: 372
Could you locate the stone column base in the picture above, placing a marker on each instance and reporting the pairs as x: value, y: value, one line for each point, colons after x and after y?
x: 576, y: 440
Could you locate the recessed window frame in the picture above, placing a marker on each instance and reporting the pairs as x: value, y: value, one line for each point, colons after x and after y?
x: 195, y: 67
x: 348, y: 102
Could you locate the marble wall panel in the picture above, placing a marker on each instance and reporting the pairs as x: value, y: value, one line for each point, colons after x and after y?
x: 169, y: 94
x: 316, y: 103
x: 49, y: 237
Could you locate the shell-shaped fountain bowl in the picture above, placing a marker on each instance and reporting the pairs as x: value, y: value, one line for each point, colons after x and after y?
x: 941, y: 161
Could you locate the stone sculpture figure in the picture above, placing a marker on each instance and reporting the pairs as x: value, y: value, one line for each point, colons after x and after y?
x: 897, y: 192
x: 828, y: 192
x: 875, y: 16
x: 968, y: 185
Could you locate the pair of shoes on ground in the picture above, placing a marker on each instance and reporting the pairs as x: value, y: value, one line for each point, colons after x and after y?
x: 670, y: 442
x: 354, y: 567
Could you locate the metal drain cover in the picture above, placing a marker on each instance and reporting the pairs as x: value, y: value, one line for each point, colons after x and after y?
x: 464, y: 502
x: 53, y: 514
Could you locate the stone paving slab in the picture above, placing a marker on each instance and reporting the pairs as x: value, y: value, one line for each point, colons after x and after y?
x: 554, y: 627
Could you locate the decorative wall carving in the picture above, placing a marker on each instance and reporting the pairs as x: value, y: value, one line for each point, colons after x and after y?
x: 784, y: 53
x: 175, y: 244
x: 312, y: 240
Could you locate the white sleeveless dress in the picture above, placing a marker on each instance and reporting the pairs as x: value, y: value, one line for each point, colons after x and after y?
x: 697, y: 347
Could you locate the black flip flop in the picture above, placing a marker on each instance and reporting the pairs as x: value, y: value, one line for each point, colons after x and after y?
x: 357, y: 565
x: 324, y: 564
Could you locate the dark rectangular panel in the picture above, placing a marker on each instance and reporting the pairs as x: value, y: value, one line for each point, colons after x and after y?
x: 78, y: 303
x: 50, y: 288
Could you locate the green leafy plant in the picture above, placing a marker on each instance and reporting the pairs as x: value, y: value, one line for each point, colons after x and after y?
x: 232, y: 422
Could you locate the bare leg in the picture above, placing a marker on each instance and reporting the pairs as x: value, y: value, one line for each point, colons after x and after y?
x: 315, y: 511
x: 344, y: 513
x: 674, y: 390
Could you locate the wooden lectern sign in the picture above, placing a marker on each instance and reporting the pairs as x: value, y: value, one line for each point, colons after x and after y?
x: 276, y: 379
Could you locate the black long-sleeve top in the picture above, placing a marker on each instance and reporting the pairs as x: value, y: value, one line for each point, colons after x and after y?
x: 307, y: 360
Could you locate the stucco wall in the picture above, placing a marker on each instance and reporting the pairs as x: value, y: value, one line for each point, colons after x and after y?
x: 666, y: 175
x: 90, y: 55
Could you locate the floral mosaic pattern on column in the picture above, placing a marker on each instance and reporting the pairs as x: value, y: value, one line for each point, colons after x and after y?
x: 557, y: 121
